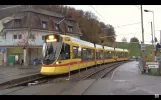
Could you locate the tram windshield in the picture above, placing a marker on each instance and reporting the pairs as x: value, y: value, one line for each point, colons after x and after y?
x: 51, y: 50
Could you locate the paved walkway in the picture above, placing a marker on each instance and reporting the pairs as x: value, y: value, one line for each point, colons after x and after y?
x: 127, y: 80
x: 8, y: 73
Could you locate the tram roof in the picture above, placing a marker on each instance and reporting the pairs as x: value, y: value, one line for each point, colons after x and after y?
x: 108, y: 48
x: 82, y: 42
x: 118, y: 49
x: 99, y: 46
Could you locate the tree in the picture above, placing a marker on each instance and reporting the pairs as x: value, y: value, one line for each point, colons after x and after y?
x: 134, y: 39
x: 110, y: 33
x: 124, y: 39
x: 27, y: 40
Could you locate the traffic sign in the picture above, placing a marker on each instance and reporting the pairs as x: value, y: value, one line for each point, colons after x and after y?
x: 3, y: 50
x: 142, y: 46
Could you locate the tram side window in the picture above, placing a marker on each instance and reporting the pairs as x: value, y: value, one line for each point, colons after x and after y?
x: 99, y: 54
x: 84, y: 54
x: 76, y: 52
x: 125, y: 55
x: 122, y: 54
x: 65, y: 52
x: 87, y: 54
x: 116, y: 53
x: 90, y: 54
x: 110, y: 54
x: 119, y: 54
x: 106, y: 54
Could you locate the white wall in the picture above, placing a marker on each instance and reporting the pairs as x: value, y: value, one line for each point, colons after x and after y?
x: 9, y: 34
x: 38, y: 35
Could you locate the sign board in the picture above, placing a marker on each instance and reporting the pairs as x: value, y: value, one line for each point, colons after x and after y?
x: 3, y: 50
x: 142, y: 46
x: 152, y: 64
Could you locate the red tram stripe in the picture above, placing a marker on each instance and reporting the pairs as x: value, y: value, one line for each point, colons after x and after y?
x: 72, y: 63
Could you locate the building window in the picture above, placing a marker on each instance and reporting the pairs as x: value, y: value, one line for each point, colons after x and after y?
x: 19, y: 36
x: 32, y: 36
x: 17, y: 22
x: 43, y: 37
x: 44, y: 24
x: 14, y: 36
x: 70, y: 28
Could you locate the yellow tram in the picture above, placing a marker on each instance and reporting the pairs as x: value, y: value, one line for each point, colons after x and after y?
x: 62, y: 53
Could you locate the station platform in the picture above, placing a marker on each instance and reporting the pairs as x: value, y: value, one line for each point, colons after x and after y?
x: 8, y: 73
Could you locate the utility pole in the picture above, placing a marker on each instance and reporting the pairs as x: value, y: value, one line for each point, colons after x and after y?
x: 152, y: 33
x: 142, y: 29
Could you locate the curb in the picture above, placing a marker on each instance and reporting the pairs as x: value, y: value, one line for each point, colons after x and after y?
x: 20, y: 80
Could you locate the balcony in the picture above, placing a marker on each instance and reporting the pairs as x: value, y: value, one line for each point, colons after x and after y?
x: 22, y: 42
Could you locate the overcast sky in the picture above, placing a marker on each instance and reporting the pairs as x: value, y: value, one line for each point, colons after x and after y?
x: 118, y: 15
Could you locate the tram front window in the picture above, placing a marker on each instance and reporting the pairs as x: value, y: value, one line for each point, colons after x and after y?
x: 51, y: 51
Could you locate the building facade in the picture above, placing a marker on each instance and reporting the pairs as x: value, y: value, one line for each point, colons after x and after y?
x: 23, y: 36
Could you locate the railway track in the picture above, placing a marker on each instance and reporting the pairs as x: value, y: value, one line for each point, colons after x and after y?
x: 96, y: 74
x: 91, y: 72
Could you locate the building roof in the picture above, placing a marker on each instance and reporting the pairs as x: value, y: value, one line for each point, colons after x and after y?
x: 42, y: 11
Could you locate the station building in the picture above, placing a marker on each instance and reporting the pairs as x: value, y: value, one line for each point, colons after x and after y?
x: 22, y: 34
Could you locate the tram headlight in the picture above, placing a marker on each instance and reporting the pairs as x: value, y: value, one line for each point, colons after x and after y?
x: 57, y: 63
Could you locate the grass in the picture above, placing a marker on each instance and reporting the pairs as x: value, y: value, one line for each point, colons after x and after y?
x: 135, y: 50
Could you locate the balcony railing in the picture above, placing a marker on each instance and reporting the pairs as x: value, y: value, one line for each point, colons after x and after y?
x: 11, y: 42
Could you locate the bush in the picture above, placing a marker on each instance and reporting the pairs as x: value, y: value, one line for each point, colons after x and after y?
x: 149, y: 59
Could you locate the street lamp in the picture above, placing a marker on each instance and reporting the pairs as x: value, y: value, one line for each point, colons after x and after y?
x: 153, y: 31
x: 153, y: 22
